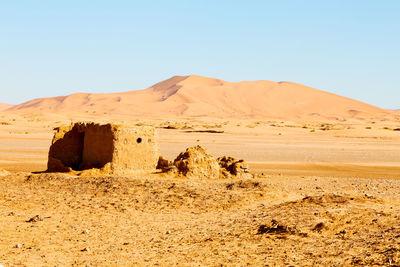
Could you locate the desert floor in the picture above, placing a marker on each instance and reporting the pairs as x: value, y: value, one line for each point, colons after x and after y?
x: 321, y: 194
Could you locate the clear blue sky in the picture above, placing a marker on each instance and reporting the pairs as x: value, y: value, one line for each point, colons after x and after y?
x: 51, y: 48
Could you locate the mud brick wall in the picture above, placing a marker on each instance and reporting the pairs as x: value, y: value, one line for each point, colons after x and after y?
x: 84, y: 146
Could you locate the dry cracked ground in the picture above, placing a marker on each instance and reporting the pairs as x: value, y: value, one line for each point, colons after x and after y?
x: 160, y: 220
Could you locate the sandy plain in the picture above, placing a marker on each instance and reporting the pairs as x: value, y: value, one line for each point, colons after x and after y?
x: 322, y: 193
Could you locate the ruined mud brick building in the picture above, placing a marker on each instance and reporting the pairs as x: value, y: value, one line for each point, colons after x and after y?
x: 111, y: 148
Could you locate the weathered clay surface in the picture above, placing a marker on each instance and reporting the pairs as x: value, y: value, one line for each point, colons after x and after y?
x: 196, y: 162
x: 233, y: 167
x: 108, y: 148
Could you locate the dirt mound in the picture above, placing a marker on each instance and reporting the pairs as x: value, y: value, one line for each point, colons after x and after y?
x: 333, y: 221
x: 149, y: 195
x: 328, y: 214
x: 231, y: 166
x: 329, y: 199
x: 196, y: 162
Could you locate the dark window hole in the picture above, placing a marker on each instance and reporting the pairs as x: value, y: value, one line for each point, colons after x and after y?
x: 139, y: 140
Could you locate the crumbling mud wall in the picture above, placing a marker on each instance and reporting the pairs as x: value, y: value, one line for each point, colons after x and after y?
x: 111, y: 148
x: 98, y: 145
x: 136, y: 148
x: 66, y: 150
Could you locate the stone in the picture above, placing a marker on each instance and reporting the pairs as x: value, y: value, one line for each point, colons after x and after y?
x: 36, y: 218
x: 163, y: 164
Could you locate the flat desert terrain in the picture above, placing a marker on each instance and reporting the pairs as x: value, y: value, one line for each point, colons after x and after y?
x: 323, y: 187
x: 322, y: 193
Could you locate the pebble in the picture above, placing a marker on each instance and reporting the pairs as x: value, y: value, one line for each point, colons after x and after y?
x: 18, y: 246
x: 85, y: 250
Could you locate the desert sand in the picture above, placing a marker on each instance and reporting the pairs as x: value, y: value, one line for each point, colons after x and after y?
x: 323, y: 188
x: 197, y: 96
x: 4, y: 106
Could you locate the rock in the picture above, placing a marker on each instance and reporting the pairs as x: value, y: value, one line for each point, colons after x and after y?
x: 196, y: 162
x: 35, y: 218
x: 85, y: 249
x: 319, y: 227
x: 86, y: 231
x: 18, y: 246
x: 163, y: 164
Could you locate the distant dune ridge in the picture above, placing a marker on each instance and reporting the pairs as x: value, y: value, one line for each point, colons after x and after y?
x: 193, y: 96
x: 4, y: 106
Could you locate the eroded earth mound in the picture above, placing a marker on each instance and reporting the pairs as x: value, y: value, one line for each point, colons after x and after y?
x: 233, y: 167
x: 196, y: 162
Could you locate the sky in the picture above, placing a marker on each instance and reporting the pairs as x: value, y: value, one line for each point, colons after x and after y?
x: 348, y: 47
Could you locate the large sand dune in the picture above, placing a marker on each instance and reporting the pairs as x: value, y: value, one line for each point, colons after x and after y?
x: 197, y: 96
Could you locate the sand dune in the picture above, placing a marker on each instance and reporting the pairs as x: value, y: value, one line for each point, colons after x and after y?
x: 193, y: 96
x: 4, y: 106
